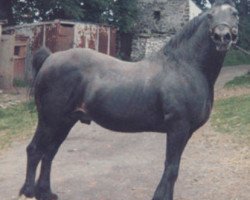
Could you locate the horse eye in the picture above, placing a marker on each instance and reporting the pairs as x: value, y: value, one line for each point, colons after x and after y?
x: 210, y: 16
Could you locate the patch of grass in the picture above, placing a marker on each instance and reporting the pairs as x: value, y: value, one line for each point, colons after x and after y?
x: 20, y: 83
x: 236, y: 57
x: 240, y: 81
x: 17, y: 122
x: 232, y: 115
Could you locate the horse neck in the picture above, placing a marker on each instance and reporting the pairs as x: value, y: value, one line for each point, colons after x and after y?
x: 199, y: 52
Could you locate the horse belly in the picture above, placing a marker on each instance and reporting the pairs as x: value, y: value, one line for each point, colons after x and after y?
x: 125, y: 117
x: 128, y: 124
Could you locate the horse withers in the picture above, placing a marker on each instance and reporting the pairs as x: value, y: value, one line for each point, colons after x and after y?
x: 170, y: 92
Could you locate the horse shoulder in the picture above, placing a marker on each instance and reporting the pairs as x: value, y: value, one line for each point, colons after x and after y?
x: 185, y: 96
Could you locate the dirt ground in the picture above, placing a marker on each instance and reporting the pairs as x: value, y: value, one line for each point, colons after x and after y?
x: 97, y: 164
x: 13, y: 97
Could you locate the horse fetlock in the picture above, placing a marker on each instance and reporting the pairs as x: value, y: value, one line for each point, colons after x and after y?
x: 48, y: 196
x: 27, y: 191
x: 42, y: 194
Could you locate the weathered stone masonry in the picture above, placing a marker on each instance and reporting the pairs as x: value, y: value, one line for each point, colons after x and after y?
x: 158, y: 20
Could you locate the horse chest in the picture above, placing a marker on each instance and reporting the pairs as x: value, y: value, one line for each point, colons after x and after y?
x: 190, y: 102
x: 200, y: 112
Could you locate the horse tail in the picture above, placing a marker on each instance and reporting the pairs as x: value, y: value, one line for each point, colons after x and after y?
x: 39, y: 57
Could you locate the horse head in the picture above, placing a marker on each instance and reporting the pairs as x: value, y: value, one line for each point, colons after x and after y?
x: 223, y: 24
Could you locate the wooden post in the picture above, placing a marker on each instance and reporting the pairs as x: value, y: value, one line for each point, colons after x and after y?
x: 7, y: 43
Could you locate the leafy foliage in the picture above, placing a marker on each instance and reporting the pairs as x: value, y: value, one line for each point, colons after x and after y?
x: 30, y: 10
x: 244, y: 32
x: 236, y: 57
x: 125, y: 12
x: 98, y: 11
x: 6, y: 10
x: 121, y: 13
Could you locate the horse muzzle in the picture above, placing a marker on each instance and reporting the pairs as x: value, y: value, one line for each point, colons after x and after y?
x: 224, y: 36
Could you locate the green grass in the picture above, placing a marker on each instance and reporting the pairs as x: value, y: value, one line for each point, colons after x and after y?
x: 20, y: 83
x: 240, y: 81
x: 236, y: 57
x: 17, y: 122
x: 232, y: 115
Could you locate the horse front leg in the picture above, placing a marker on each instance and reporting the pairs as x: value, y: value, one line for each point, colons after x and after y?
x: 177, y: 139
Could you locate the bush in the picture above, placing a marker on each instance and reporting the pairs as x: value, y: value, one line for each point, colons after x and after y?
x: 236, y: 57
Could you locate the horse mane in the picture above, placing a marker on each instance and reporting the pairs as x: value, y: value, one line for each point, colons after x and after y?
x: 185, y: 34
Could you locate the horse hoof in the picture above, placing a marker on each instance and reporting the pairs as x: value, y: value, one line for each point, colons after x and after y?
x: 47, y: 197
x: 22, y: 197
x: 53, y: 197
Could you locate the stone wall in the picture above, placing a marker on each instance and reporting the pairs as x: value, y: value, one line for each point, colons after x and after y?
x: 158, y: 20
x: 155, y: 43
x: 194, y: 10
x: 138, y: 49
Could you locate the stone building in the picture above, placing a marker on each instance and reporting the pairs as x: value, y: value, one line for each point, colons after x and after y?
x: 158, y: 20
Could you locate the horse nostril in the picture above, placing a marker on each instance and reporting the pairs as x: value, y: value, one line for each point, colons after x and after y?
x: 227, y: 37
x: 217, y: 37
x: 234, y: 37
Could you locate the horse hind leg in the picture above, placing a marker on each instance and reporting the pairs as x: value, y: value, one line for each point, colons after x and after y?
x: 34, y: 156
x: 43, y: 147
x: 43, y: 188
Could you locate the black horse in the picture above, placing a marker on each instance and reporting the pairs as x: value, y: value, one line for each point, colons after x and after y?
x: 170, y: 92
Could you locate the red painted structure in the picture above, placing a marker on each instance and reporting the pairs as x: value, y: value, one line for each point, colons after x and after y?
x: 57, y: 36
x: 20, y: 50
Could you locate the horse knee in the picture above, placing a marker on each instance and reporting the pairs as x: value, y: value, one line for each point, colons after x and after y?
x: 31, y: 149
